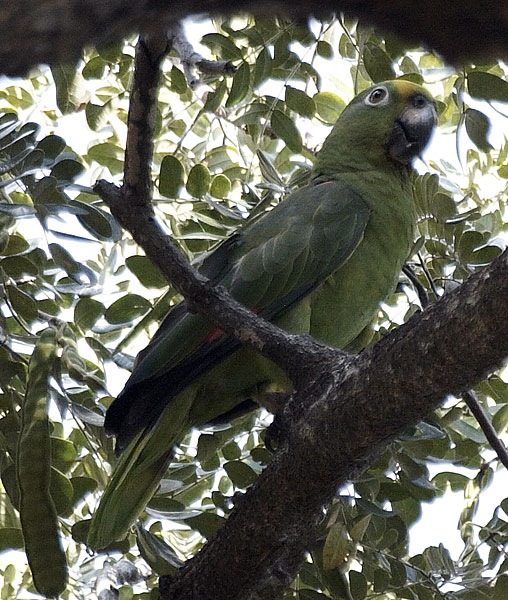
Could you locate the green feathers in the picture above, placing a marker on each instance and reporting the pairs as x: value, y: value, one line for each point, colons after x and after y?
x: 319, y: 263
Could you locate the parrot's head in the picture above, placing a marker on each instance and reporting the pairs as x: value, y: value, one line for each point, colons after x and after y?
x: 388, y: 124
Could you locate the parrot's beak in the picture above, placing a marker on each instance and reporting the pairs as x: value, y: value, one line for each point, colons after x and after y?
x: 412, y: 130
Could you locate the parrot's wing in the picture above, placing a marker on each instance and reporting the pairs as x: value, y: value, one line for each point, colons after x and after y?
x: 268, y: 266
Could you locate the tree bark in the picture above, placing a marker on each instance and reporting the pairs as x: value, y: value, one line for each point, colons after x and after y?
x: 56, y: 30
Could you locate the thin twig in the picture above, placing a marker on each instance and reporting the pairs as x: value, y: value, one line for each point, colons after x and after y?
x: 480, y: 415
x: 192, y: 60
x: 420, y: 289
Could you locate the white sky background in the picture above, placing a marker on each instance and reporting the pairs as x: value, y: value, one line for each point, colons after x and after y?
x: 440, y: 516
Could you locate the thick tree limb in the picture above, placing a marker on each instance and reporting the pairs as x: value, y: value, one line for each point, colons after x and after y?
x: 392, y: 386
x: 56, y: 31
x: 469, y: 396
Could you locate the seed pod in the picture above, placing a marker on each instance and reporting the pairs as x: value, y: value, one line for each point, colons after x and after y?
x: 39, y: 522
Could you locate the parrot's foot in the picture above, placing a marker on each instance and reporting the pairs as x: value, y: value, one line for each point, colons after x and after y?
x: 275, y: 402
x: 276, y: 434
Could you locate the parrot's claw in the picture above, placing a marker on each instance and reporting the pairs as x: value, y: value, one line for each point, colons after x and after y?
x: 276, y: 434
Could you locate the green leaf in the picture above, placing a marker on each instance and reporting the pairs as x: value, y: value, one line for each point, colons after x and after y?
x: 18, y: 97
x: 239, y: 86
x: 231, y: 451
x: 286, y: 130
x: 469, y: 432
x: 469, y: 241
x: 18, y: 266
x: 95, y: 68
x: 500, y: 419
x: 206, y: 523
x: 359, y: 528
x: 308, y: 594
x: 63, y: 259
x: 346, y: 48
x: 52, y: 146
x: 337, y: 547
x: 108, y: 155
x: 329, y: 106
x: 16, y: 244
x: 221, y: 46
x: 487, y: 86
x: 456, y: 481
x: 478, y: 128
x: 97, y: 222
x: 262, y: 68
x: 127, y: 308
x: 484, y: 256
x: 240, y: 473
x: 268, y: 171
x: 87, y: 312
x: 98, y: 115
x: 23, y: 304
x: 170, y: 176
x: 161, y: 558
x: 61, y: 492
x: 198, y: 181
x: 324, y: 49
x: 358, y: 585
x: 443, y: 207
x: 82, y: 486
x: 70, y: 92
x: 178, y: 81
x: 11, y: 538
x: 67, y: 170
x: 252, y: 116
x: 62, y: 451
x: 298, y: 101
x: 147, y: 273
x: 214, y: 99
x: 381, y: 580
x: 501, y: 587
x: 377, y: 63
x: 207, y: 446
x: 221, y: 186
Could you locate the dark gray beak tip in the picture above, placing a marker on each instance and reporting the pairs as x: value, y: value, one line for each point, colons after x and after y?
x: 412, y: 132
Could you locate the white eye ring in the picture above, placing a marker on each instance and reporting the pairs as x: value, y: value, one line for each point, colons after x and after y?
x: 378, y: 97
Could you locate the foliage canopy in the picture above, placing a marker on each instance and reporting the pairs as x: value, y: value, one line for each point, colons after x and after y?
x: 226, y: 149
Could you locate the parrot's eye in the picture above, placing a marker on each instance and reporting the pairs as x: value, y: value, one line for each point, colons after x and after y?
x: 377, y: 97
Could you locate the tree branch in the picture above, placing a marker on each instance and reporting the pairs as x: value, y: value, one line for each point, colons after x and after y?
x: 392, y: 386
x: 294, y: 353
x: 132, y: 207
x: 191, y: 60
x: 479, y: 414
x: 57, y: 31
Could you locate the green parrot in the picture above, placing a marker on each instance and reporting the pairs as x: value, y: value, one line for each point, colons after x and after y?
x: 319, y: 263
